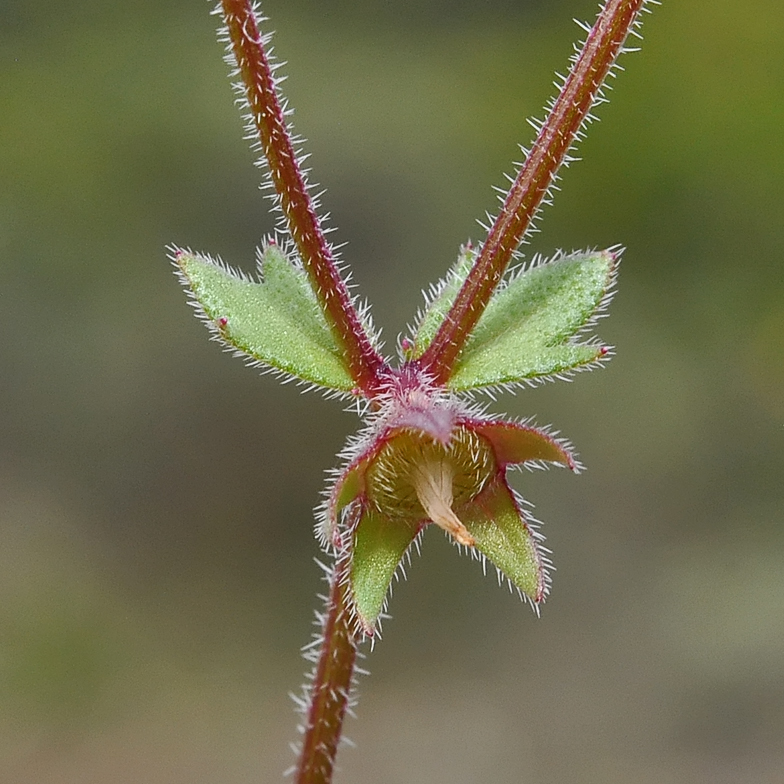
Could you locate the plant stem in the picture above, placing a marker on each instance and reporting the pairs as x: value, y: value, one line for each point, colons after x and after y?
x: 331, y: 686
x: 268, y: 120
x: 556, y: 136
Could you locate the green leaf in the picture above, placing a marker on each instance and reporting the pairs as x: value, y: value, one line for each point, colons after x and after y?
x: 528, y: 330
x: 275, y: 321
x: 436, y: 311
x: 501, y: 533
x: 379, y: 545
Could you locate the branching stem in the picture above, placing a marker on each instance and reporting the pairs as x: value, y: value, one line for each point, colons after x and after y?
x: 332, y: 680
x: 331, y: 687
x: 532, y: 184
x: 267, y: 114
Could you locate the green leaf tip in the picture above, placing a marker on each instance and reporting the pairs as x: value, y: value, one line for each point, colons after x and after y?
x: 275, y: 321
x: 529, y: 330
x: 442, y: 297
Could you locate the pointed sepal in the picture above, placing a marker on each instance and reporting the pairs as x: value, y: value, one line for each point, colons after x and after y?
x: 516, y: 443
x: 502, y: 534
x: 349, y: 485
x: 379, y: 544
x: 275, y: 321
x: 529, y: 330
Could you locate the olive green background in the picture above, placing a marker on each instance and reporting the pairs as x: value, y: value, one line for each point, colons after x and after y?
x: 156, y: 551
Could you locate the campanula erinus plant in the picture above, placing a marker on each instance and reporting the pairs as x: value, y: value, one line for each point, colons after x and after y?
x: 426, y: 453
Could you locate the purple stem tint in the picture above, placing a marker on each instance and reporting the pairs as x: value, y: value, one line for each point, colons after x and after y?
x: 331, y: 686
x: 553, y: 142
x: 365, y: 363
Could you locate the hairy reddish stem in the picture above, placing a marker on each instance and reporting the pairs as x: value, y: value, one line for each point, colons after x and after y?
x: 330, y: 688
x: 365, y: 364
x: 559, y: 132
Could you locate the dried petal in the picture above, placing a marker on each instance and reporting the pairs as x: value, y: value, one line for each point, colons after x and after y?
x: 433, y: 484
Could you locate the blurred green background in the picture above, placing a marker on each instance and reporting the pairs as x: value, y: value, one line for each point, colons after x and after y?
x: 156, y: 572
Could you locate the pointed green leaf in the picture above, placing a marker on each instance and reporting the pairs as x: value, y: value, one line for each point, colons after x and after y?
x: 501, y: 533
x: 528, y: 329
x: 276, y: 321
x: 435, y: 312
x: 379, y: 545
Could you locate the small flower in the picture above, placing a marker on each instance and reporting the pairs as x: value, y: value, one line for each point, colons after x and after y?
x: 429, y: 458
x: 426, y: 455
